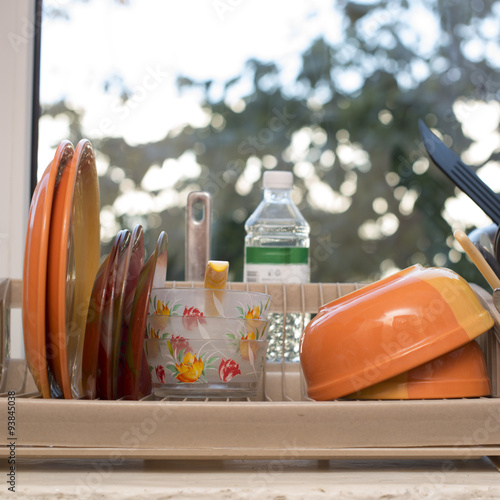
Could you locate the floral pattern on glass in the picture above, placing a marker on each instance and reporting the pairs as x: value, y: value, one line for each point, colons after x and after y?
x: 248, y: 349
x: 214, y: 363
x: 160, y: 374
x: 194, y: 307
x: 252, y: 312
x: 228, y: 369
x: 153, y: 334
x: 165, y: 309
x: 187, y: 366
x: 192, y: 318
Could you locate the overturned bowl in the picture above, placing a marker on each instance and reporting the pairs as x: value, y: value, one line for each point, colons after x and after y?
x: 457, y: 374
x: 217, y: 368
x: 161, y: 326
x: 207, y: 302
x: 387, y: 328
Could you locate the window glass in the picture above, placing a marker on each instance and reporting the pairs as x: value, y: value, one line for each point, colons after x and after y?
x: 185, y: 96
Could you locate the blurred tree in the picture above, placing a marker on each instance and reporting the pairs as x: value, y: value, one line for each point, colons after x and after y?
x: 349, y: 131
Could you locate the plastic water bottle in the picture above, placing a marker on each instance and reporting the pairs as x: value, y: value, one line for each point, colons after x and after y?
x: 277, y: 251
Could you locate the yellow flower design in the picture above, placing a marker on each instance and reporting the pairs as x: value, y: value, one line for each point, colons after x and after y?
x: 162, y: 309
x: 253, y: 313
x: 246, y: 346
x: 249, y: 336
x: 153, y: 334
x: 190, y: 369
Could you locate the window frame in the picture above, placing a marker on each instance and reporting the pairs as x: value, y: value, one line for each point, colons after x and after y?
x: 17, y: 138
x: 19, y: 53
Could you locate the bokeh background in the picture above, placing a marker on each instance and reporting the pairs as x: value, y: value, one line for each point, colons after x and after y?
x: 206, y: 95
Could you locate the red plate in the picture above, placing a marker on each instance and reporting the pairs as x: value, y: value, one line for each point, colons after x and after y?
x: 135, y: 261
x: 136, y: 377
x: 99, y: 325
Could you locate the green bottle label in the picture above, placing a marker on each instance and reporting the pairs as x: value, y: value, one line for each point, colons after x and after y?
x: 276, y: 265
x: 277, y: 255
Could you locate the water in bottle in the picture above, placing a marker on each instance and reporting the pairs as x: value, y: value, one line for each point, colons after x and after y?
x: 277, y: 251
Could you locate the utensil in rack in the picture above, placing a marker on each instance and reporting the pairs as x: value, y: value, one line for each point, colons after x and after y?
x: 496, y: 299
x: 490, y: 259
x: 485, y: 236
x: 477, y: 258
x: 483, y: 240
x: 215, y: 282
x: 496, y: 245
x: 198, y: 234
x: 461, y: 174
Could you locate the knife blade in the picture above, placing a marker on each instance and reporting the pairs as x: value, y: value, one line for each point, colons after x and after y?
x: 461, y: 174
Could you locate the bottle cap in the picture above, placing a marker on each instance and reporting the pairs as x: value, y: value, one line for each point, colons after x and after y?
x: 277, y: 179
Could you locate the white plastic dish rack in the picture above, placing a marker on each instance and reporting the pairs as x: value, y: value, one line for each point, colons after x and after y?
x: 280, y: 423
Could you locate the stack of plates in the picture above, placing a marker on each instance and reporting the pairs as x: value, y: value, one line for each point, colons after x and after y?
x: 84, y: 324
x: 114, y: 364
x: 61, y: 258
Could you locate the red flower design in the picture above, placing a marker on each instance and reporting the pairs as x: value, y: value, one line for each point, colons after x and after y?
x: 160, y: 374
x: 178, y: 343
x: 192, y: 317
x: 228, y: 369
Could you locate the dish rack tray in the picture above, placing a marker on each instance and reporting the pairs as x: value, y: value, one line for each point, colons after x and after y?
x: 280, y: 423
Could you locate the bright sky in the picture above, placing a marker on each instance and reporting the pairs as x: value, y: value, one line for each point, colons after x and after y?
x: 211, y: 41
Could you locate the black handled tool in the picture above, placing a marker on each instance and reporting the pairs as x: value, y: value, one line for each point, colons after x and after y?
x: 461, y: 174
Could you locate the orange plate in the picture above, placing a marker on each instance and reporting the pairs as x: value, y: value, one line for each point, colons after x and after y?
x: 136, y: 378
x: 73, y: 260
x: 388, y: 328
x: 457, y: 374
x: 35, y: 267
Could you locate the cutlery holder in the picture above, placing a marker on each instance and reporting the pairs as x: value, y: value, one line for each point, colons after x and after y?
x: 279, y: 423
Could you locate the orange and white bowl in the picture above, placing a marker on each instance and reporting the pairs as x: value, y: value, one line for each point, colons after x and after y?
x: 458, y: 374
x: 387, y: 328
